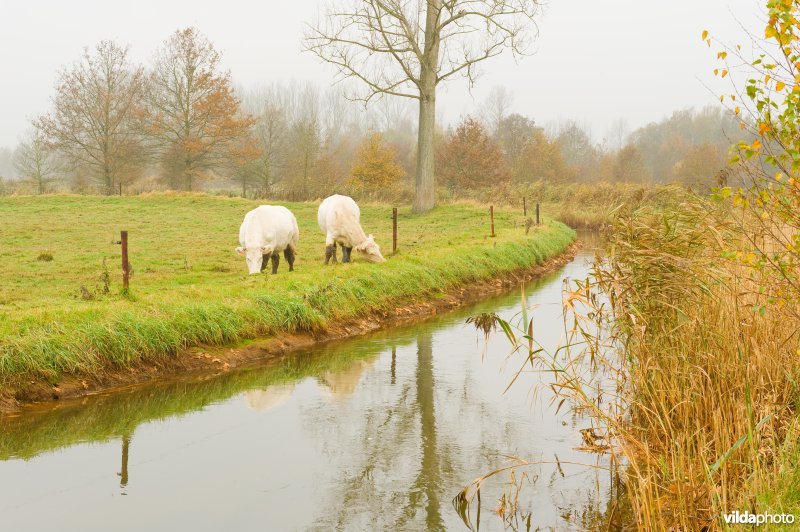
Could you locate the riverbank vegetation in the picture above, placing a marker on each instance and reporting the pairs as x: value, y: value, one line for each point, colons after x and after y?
x: 706, y: 300
x: 696, y: 312
x: 708, y: 417
x: 62, y: 308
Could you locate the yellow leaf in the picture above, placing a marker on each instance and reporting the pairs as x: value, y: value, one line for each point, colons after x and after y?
x: 737, y: 110
x: 779, y: 86
x: 763, y: 128
x: 767, y: 78
x: 722, y: 55
x: 756, y: 144
x: 716, y: 71
x: 705, y: 34
x: 770, y: 32
x: 724, y: 73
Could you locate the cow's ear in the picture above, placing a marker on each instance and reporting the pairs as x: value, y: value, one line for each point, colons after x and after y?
x: 240, y: 251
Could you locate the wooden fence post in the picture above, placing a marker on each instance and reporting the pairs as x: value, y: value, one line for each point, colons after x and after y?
x: 491, y: 215
x: 537, y: 214
x: 126, y: 268
x: 394, y: 230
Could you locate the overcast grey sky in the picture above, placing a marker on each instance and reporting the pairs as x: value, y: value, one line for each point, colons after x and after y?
x: 594, y: 61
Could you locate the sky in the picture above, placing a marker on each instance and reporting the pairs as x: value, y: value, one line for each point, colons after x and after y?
x: 593, y: 61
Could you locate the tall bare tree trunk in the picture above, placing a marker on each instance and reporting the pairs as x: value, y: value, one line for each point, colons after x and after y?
x: 425, y: 184
x: 424, y: 196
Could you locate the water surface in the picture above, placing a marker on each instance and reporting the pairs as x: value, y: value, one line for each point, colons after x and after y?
x: 374, y: 433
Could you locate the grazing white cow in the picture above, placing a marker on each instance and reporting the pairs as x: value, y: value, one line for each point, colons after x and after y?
x: 338, y: 217
x: 265, y: 232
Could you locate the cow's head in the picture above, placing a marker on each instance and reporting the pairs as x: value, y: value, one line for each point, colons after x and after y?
x: 370, y: 250
x: 256, y: 258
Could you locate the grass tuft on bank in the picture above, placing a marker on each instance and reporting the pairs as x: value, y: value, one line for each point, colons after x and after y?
x: 69, y: 314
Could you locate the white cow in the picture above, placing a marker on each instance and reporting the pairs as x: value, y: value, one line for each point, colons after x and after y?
x: 265, y: 232
x: 338, y: 217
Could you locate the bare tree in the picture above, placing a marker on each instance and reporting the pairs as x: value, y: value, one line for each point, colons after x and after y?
x: 305, y: 140
x: 193, y: 114
x: 93, y: 117
x: 496, y: 108
x: 35, y: 162
x: 7, y: 167
x: 618, y: 134
x: 407, y: 48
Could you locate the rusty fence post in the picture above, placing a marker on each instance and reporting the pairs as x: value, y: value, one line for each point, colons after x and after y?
x: 126, y: 268
x: 394, y: 230
x: 537, y: 214
x: 491, y: 215
x: 524, y: 206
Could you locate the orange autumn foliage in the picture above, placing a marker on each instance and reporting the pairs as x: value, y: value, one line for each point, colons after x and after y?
x: 470, y: 159
x: 376, y: 164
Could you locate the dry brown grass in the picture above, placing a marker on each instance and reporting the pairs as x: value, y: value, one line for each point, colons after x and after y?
x: 709, y: 396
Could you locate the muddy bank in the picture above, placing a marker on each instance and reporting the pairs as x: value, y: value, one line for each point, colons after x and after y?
x: 219, y: 359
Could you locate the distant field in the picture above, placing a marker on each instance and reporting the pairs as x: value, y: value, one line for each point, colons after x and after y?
x: 189, y: 287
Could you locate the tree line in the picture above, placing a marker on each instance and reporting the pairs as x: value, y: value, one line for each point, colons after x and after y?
x: 181, y: 124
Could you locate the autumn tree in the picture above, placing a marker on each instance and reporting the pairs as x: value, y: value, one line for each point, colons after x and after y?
x: 541, y: 159
x: 93, y: 117
x: 767, y: 205
x: 470, y: 159
x: 376, y: 164
x: 36, y: 163
x: 407, y: 49
x: 513, y: 133
x: 666, y: 143
x: 629, y: 165
x: 192, y: 116
x: 701, y: 165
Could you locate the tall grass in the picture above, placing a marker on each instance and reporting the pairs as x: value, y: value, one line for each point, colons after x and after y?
x: 688, y: 363
x: 709, y: 373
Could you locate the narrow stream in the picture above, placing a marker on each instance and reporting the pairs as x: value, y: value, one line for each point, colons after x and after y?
x: 374, y: 433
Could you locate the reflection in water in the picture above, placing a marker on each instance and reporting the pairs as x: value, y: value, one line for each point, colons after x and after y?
x: 342, y: 383
x: 274, y: 396
x: 430, y: 475
x: 393, y: 370
x: 123, y: 474
x: 275, y: 447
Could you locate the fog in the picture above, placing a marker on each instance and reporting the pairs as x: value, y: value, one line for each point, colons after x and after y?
x: 594, y: 62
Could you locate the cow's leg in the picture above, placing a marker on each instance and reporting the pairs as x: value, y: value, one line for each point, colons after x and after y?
x: 345, y: 253
x: 349, y: 252
x: 288, y: 254
x: 330, y: 252
x: 276, y: 258
x: 264, y: 261
x: 330, y: 249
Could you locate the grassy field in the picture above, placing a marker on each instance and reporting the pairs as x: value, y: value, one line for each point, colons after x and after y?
x: 190, y: 288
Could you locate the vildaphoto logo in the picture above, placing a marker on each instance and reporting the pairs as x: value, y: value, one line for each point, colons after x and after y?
x: 747, y: 518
